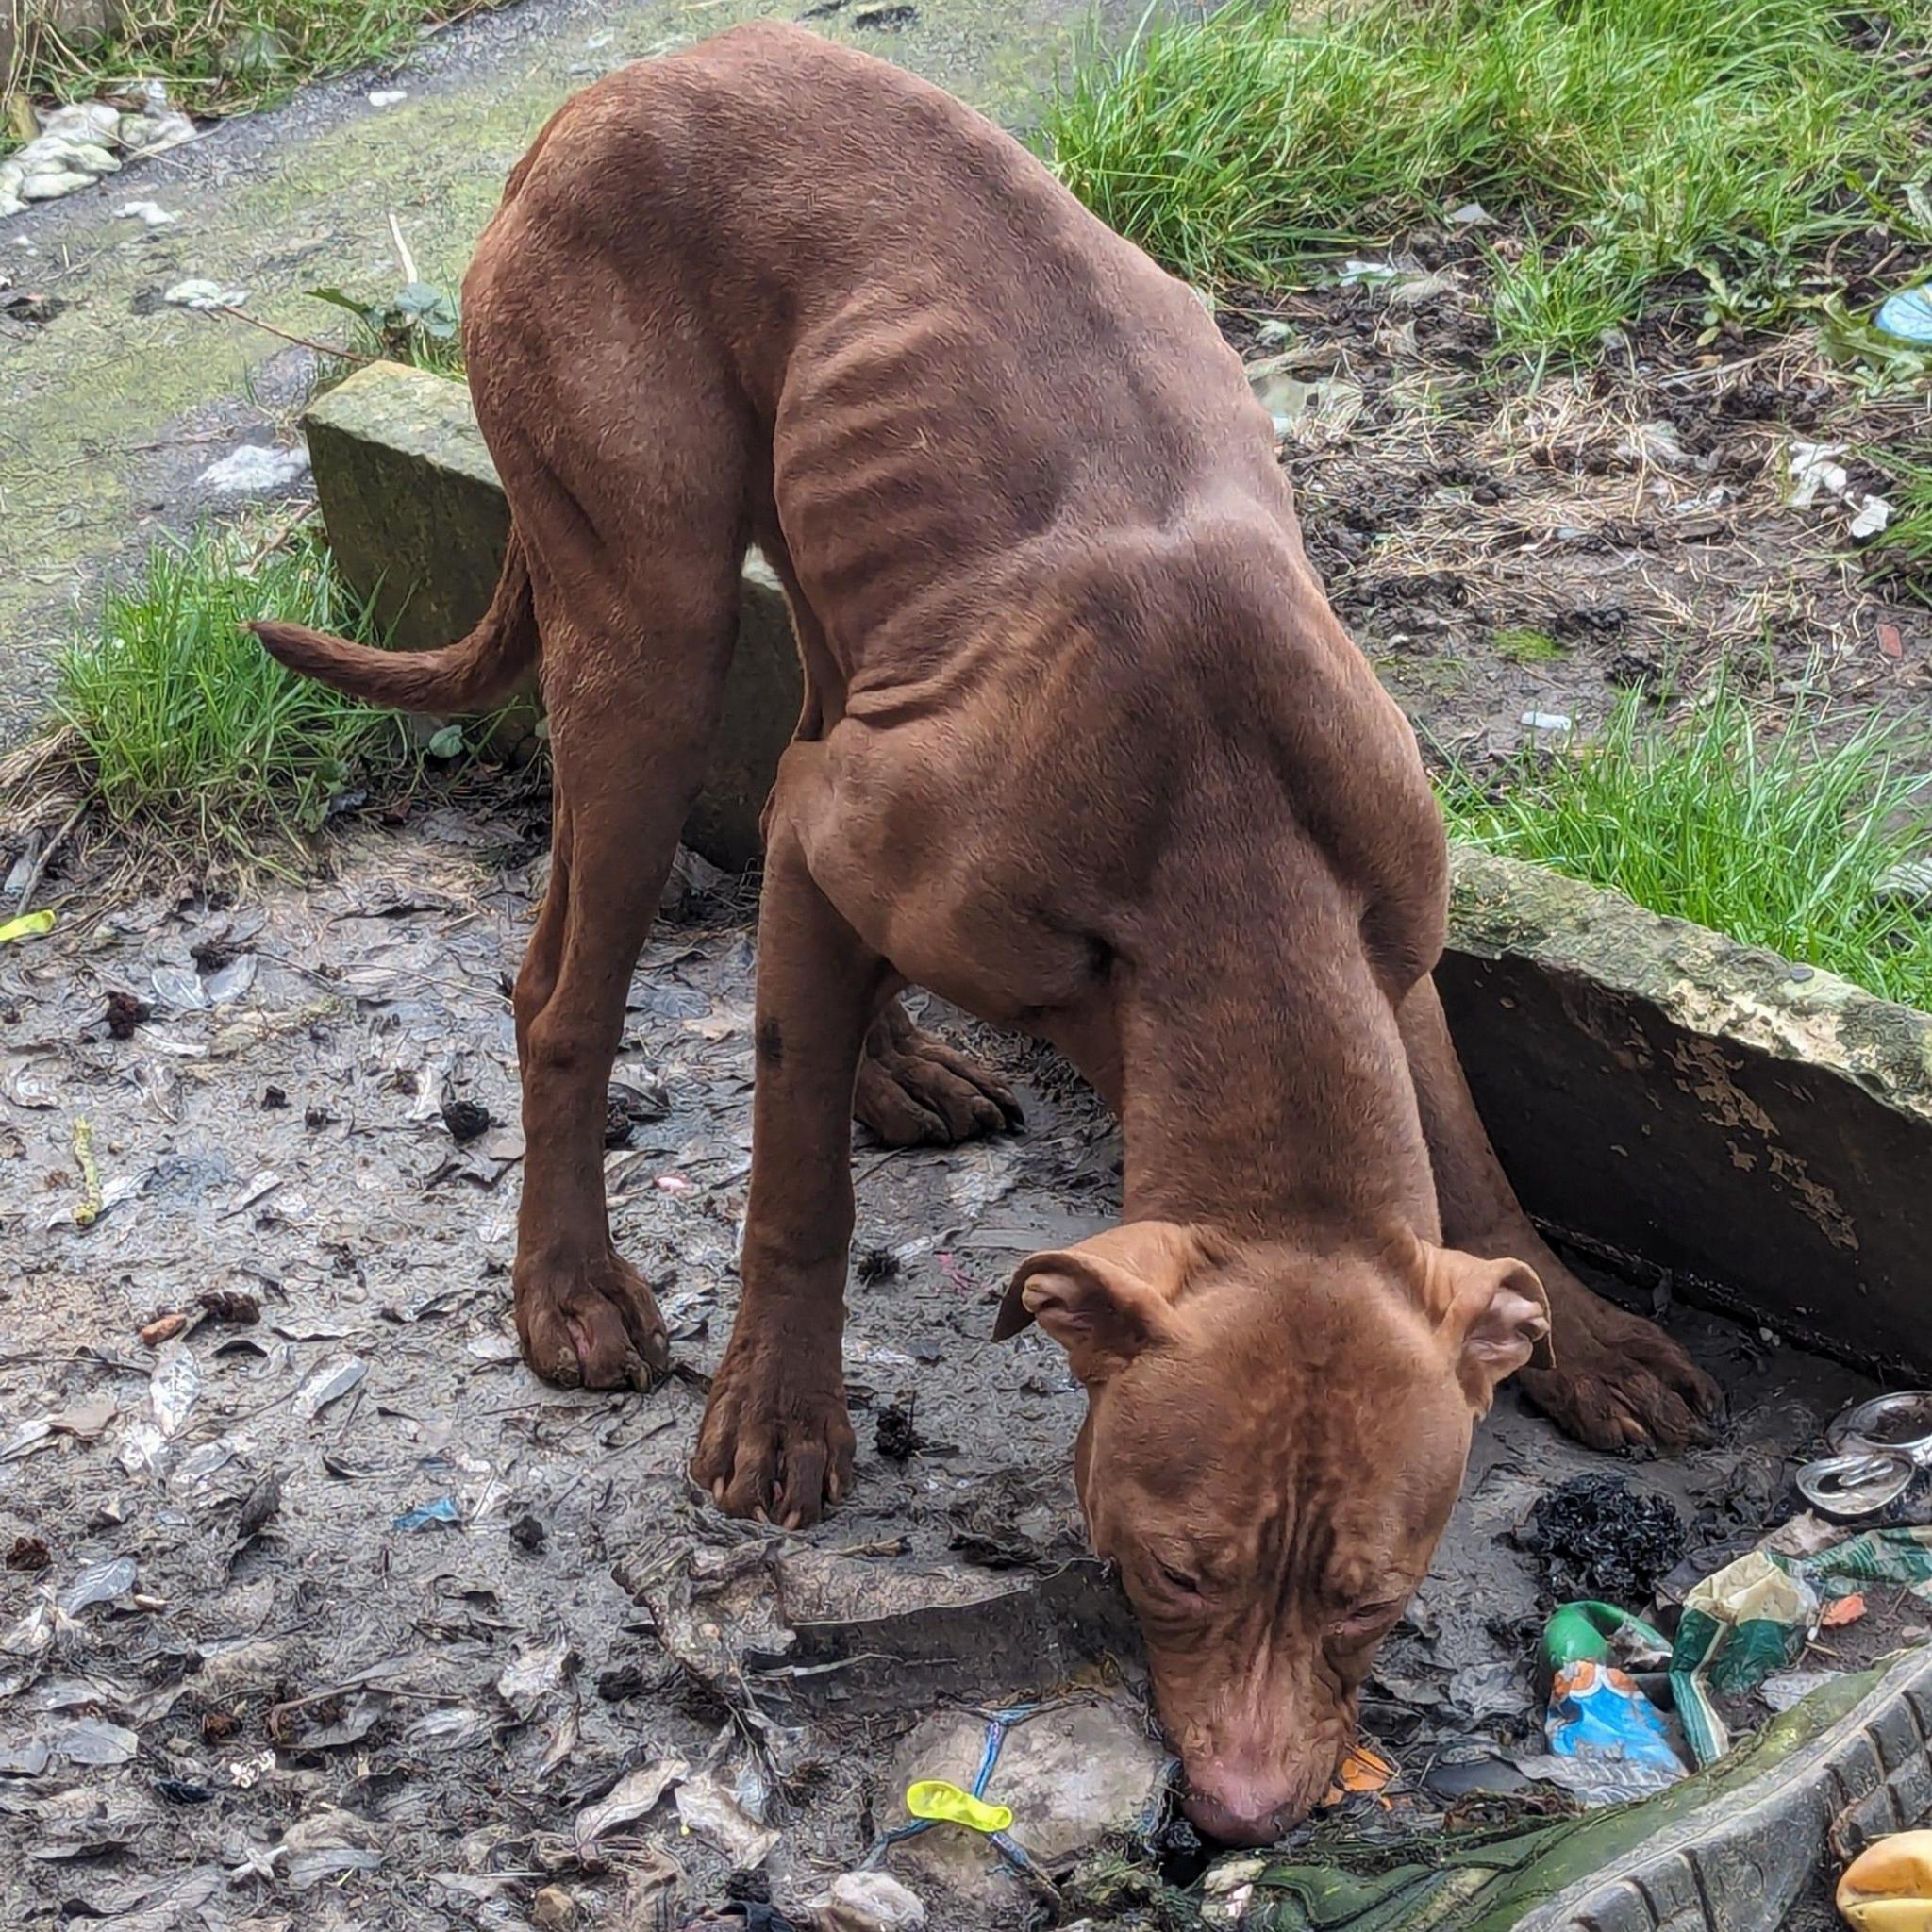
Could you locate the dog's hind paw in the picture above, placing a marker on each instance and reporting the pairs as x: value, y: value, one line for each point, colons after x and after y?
x: 914, y: 1090
x: 591, y: 1325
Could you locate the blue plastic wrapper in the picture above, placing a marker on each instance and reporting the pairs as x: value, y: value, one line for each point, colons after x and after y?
x: 1908, y: 316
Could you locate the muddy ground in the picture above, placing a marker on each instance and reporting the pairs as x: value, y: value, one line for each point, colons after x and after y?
x: 288, y: 1703
x: 1500, y: 546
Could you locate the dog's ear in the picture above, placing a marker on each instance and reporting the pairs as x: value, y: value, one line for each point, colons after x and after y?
x: 1106, y: 1300
x: 1496, y: 1318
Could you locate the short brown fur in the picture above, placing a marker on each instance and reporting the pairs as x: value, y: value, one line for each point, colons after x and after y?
x: 1086, y: 751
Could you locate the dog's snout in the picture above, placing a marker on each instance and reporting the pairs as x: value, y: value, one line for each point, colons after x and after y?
x: 1237, y: 1807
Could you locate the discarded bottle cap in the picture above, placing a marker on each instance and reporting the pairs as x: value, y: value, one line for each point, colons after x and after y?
x: 1887, y: 1887
x: 1908, y: 315
x: 934, y: 1798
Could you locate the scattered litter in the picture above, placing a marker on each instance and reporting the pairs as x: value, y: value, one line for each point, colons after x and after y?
x: 1887, y: 1887
x: 1783, y: 1689
x: 29, y: 925
x: 1748, y: 1620
x: 1847, y: 1609
x: 1608, y: 1743
x: 329, y: 1383
x: 534, y: 1673
x: 633, y: 1795
x: 1069, y: 1776
x: 1908, y: 315
x: 196, y: 292
x: 707, y: 1808
x: 151, y: 214
x: 444, y: 1513
x: 174, y: 1382
x: 386, y: 96
x: 87, y: 1210
x: 1472, y: 214
x: 252, y: 470
x: 98, y: 1583
x: 1548, y: 721
x: 1816, y: 471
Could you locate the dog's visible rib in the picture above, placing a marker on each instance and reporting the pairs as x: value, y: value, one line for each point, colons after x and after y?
x: 481, y: 669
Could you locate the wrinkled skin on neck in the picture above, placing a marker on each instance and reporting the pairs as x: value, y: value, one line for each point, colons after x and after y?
x: 1273, y: 1447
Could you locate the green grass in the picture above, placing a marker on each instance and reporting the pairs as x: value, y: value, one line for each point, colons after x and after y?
x: 223, y: 57
x: 1902, y: 550
x: 1776, y: 837
x: 1523, y: 646
x: 1620, y: 142
x: 191, y: 731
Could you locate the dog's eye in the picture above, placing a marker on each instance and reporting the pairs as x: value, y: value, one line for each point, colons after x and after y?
x: 1366, y: 1619
x: 1179, y: 1579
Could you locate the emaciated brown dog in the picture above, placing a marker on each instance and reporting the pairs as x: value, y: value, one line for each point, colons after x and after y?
x: 1085, y: 751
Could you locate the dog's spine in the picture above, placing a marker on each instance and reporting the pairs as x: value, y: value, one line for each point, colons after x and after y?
x: 470, y: 676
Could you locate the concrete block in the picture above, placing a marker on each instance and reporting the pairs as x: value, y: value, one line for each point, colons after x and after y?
x: 1669, y: 1097
x: 418, y: 521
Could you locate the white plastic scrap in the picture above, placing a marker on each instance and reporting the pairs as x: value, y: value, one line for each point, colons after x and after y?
x: 1816, y: 471
x: 633, y: 1795
x: 329, y: 1383
x: 707, y: 1809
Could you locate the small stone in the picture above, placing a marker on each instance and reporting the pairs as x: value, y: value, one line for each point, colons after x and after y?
x: 553, y: 1909
x: 527, y: 1533
x: 466, y: 1120
x: 151, y: 214
x: 196, y: 292
x: 86, y: 157
x: 869, y: 1902
x: 52, y: 187
x: 162, y: 131
x: 252, y: 469
x: 163, y: 1328
x: 388, y: 96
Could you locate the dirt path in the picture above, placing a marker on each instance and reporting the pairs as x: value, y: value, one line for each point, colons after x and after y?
x: 113, y: 407
x: 323, y: 1609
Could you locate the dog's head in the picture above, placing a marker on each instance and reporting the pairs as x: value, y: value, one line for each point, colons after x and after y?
x: 1273, y: 1445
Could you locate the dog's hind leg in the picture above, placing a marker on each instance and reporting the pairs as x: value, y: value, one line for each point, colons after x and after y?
x: 1618, y: 1380
x: 637, y: 641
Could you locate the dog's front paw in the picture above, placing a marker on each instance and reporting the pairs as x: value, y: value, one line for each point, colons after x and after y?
x: 591, y: 1325
x: 776, y: 1441
x: 1636, y: 1389
x: 914, y: 1090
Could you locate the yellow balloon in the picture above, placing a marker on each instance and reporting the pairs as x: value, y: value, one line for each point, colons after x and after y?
x: 933, y: 1798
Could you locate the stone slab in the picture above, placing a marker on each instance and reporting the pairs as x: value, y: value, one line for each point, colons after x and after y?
x: 417, y: 520
x: 1667, y: 1096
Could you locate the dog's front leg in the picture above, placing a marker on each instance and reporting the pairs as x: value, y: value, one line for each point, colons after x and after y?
x: 777, y: 1440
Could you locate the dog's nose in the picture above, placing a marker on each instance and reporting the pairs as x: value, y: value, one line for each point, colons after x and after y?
x: 1237, y: 1811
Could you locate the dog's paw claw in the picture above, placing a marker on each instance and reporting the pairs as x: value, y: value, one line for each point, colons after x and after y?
x: 773, y: 1446
x: 593, y: 1325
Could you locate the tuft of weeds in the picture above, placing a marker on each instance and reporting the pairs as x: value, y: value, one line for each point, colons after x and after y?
x: 1634, y: 142
x: 1772, y: 836
x: 190, y: 732
x: 1902, y: 551
x: 418, y: 325
x: 1525, y: 647
x: 226, y: 57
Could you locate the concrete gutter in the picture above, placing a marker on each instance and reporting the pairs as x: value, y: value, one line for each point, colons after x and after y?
x: 1659, y: 1095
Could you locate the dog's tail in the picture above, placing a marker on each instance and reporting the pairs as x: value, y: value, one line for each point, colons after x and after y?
x: 468, y: 676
